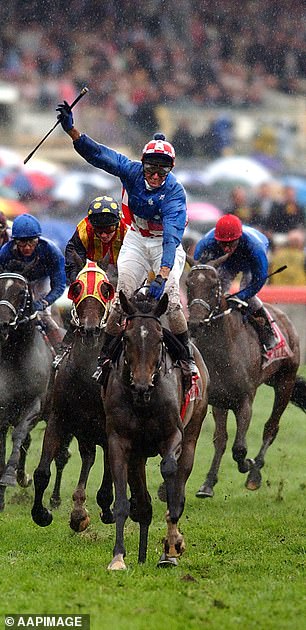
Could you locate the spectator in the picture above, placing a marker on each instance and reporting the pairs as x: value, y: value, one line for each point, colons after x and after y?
x: 261, y: 206
x: 286, y: 215
x: 239, y: 205
x: 5, y: 229
x: 292, y: 254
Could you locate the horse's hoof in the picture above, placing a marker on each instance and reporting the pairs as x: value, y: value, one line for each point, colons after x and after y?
x: 117, y: 563
x: 162, y: 492
x: 107, y: 517
x: 165, y: 562
x: 55, y: 502
x: 205, y: 492
x: 79, y: 521
x: 253, y: 481
x: 24, y: 480
x: 43, y: 518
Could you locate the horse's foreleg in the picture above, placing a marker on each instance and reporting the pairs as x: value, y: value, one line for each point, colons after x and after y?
x: 51, y: 446
x: 23, y: 479
x: 239, y: 450
x: 105, y: 495
x: 60, y: 462
x: 171, y: 451
x: 3, y: 434
x: 282, y: 393
x: 79, y: 518
x: 140, y: 503
x: 119, y: 450
x: 20, y: 432
x: 220, y: 442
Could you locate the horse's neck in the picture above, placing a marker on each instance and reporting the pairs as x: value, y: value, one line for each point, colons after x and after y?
x: 218, y: 338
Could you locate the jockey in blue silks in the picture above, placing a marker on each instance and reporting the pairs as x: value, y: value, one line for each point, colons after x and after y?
x: 42, y: 263
x: 154, y: 207
x: 247, y: 254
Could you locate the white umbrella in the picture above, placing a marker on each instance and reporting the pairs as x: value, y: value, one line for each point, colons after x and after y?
x: 73, y: 186
x: 9, y: 157
x: 236, y: 168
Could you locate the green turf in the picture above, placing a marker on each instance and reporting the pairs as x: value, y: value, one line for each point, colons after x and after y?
x: 244, y: 564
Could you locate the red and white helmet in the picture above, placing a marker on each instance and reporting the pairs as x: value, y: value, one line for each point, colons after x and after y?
x: 159, y: 148
x: 228, y: 228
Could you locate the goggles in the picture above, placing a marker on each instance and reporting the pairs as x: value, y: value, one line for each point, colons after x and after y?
x: 151, y: 169
x: 21, y: 242
x: 107, y: 229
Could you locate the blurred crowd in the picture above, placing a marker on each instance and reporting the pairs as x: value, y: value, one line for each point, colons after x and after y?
x: 277, y: 213
x: 136, y: 56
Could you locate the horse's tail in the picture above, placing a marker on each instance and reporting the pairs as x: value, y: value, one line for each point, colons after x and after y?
x: 298, y: 396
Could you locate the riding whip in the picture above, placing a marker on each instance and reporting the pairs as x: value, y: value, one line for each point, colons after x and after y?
x: 268, y: 276
x: 82, y: 93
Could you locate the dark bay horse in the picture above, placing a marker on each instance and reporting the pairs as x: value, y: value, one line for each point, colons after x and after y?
x: 234, y: 358
x: 77, y: 408
x: 142, y: 401
x: 25, y: 376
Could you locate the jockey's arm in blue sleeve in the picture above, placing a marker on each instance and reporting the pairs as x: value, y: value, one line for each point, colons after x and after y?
x: 56, y: 269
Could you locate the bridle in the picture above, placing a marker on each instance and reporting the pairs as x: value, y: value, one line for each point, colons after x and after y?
x: 214, y: 313
x: 76, y: 320
x: 19, y: 313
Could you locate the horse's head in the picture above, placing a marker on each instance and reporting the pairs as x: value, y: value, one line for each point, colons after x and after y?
x: 15, y: 302
x: 143, y: 343
x: 203, y: 292
x: 91, y: 294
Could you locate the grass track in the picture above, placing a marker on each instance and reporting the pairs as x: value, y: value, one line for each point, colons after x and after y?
x: 245, y: 559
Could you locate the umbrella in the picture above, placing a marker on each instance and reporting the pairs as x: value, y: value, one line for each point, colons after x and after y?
x: 236, y: 169
x: 32, y: 183
x: 202, y: 212
x: 73, y: 187
x: 9, y: 157
x: 12, y: 207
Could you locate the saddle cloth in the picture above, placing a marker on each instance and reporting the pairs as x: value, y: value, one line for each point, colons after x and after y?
x: 194, y: 393
x: 281, y: 350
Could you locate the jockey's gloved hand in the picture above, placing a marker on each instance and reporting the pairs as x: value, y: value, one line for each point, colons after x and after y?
x: 40, y: 305
x: 235, y: 303
x: 156, y: 288
x: 65, y: 116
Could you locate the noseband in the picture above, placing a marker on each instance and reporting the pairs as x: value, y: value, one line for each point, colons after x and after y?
x: 214, y: 312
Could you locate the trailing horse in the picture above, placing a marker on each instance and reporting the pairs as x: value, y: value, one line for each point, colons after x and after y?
x: 143, y: 401
x: 25, y: 376
x: 77, y: 408
x: 231, y: 349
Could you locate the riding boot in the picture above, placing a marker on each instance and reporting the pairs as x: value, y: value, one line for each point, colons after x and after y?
x: 65, y: 345
x: 264, y: 329
x: 104, y: 359
x: 187, y: 363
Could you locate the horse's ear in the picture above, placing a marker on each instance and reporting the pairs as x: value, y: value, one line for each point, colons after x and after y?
x: 126, y: 305
x: 161, y: 306
x: 74, y: 290
x: 218, y: 261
